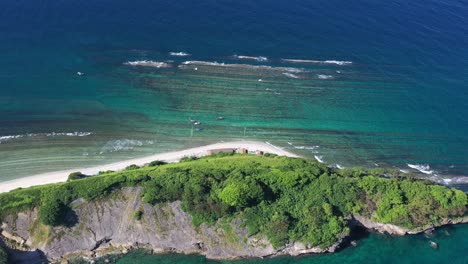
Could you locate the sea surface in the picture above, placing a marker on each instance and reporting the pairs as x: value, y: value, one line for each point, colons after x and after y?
x: 365, y: 82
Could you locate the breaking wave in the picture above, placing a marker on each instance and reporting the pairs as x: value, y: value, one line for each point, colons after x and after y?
x: 247, y: 66
x: 148, y: 63
x: 303, y: 147
x: 324, y: 76
x: 51, y: 134
x: 69, y: 134
x: 336, y: 62
x: 123, y: 144
x: 290, y: 75
x: 179, y: 54
x: 319, y: 158
x: 424, y: 168
x: 242, y: 57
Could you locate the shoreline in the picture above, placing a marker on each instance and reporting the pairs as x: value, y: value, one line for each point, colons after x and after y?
x: 173, y: 156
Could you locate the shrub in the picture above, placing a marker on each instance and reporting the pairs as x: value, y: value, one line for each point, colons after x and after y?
x: 52, y: 213
x: 189, y: 158
x: 132, y: 167
x: 156, y: 163
x: 76, y: 176
x: 138, y: 215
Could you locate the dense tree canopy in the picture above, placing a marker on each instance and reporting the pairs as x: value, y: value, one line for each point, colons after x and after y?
x: 286, y: 199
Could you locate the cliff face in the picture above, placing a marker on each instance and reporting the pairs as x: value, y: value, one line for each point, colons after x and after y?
x: 110, y: 226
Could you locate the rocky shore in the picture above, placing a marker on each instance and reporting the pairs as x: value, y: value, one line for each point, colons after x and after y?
x: 109, y: 226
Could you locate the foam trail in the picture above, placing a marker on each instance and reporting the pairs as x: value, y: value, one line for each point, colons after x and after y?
x: 290, y: 75
x: 148, y: 63
x: 123, y: 144
x: 319, y: 158
x: 339, y: 166
x: 247, y: 66
x: 324, y: 77
x: 52, y: 134
x: 424, y: 168
x: 7, y: 138
x: 179, y: 54
x: 336, y: 62
x: 69, y: 134
x: 242, y: 57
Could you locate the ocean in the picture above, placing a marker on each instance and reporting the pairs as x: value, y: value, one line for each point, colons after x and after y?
x: 366, y: 83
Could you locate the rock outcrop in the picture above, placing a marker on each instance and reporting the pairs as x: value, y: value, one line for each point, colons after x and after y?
x: 398, y: 230
x: 109, y: 226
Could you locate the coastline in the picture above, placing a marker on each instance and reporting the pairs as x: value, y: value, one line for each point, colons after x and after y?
x: 173, y: 156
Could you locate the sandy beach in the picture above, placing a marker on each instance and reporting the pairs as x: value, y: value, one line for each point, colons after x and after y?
x: 61, y: 176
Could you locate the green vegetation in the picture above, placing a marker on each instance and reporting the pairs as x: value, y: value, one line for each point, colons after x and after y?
x: 76, y: 176
x: 132, y: 167
x: 286, y: 199
x: 138, y: 215
x: 156, y: 163
x: 3, y: 256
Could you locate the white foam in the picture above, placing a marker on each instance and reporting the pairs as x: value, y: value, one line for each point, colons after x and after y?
x: 339, y: 166
x: 424, y: 168
x: 179, y: 54
x: 123, y: 144
x: 447, y: 181
x: 258, y: 58
x: 51, y: 134
x: 290, y: 75
x: 7, y: 138
x: 69, y: 134
x: 404, y: 171
x: 248, y: 66
x: 336, y: 62
x: 148, y: 63
x: 319, y: 158
x: 306, y: 147
x: 324, y: 76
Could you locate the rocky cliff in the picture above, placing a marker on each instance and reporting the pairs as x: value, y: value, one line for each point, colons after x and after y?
x: 109, y: 226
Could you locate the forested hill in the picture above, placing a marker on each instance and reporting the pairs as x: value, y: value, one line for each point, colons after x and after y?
x: 284, y: 199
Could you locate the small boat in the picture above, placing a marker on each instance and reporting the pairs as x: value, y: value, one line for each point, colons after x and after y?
x: 434, y: 245
x: 197, y: 123
x: 219, y: 118
x: 80, y: 73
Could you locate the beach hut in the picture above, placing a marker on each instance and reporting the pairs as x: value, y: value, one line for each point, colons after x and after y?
x: 243, y: 151
x: 259, y: 153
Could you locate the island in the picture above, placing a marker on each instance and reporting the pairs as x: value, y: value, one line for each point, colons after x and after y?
x: 224, y: 206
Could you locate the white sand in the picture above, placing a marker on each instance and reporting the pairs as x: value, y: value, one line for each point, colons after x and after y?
x: 61, y: 176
